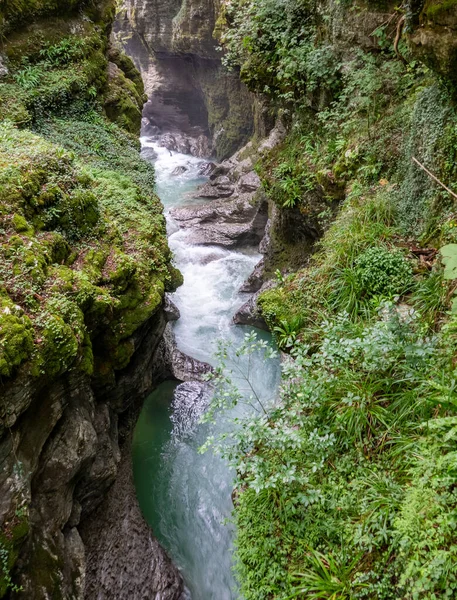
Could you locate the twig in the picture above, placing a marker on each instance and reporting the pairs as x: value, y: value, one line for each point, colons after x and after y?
x: 400, y: 26
x: 434, y: 178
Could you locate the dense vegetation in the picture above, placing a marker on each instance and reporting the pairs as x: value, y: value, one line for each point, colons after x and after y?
x: 346, y: 484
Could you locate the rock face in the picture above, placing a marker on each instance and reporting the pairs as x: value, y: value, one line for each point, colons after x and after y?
x: 59, y: 459
x: 189, y: 92
x: 181, y: 366
x: 120, y: 547
x: 433, y: 35
x: 238, y: 211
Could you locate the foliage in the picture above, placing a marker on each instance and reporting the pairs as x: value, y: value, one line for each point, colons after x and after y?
x: 270, y: 42
x: 345, y: 483
x: 383, y: 272
x: 82, y: 244
x: 337, y: 478
x: 449, y: 254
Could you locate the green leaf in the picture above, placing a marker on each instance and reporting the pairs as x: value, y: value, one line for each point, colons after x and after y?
x: 449, y: 254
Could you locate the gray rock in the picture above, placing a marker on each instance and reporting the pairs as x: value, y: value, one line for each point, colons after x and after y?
x: 249, y: 182
x: 255, y: 280
x: 221, y: 180
x: 249, y: 314
x: 276, y: 136
x: 179, y: 170
x: 149, y: 154
x: 3, y: 68
x: 182, y: 366
x: 215, y: 191
x: 59, y: 461
x: 220, y: 170
x: 206, y: 168
x: 124, y: 560
x: 170, y: 309
x: 228, y: 223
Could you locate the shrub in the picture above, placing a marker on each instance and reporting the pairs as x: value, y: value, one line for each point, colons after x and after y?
x: 383, y: 272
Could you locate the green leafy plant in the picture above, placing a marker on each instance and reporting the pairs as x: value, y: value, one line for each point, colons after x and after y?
x: 383, y: 271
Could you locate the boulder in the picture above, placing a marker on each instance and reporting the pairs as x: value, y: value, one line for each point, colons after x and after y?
x: 228, y: 223
x: 206, y: 168
x: 179, y: 170
x: 255, y: 280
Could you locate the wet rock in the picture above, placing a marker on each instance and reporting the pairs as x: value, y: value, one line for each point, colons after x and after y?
x: 186, y: 368
x: 59, y: 461
x: 228, y: 223
x: 182, y: 366
x: 179, y: 170
x: 170, y: 309
x: 149, y: 154
x: 215, y: 191
x: 249, y: 314
x: 198, y: 145
x: 149, y: 129
x: 124, y: 560
x: 255, y: 280
x: 206, y: 168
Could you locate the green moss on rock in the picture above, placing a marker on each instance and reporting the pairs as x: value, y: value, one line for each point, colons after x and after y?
x: 85, y: 254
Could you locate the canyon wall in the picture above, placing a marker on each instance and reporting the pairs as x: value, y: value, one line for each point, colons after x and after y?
x: 189, y: 91
x: 84, y: 264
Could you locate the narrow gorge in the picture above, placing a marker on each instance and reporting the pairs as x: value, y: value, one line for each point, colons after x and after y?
x: 227, y: 299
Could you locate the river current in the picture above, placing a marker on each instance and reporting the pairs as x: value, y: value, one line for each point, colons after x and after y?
x: 184, y: 495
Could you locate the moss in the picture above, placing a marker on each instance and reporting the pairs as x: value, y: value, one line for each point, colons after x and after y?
x: 16, y: 336
x: 85, y: 254
x: 123, y: 102
x: 175, y: 280
x: 12, y: 536
x: 20, y: 224
x: 97, y: 262
x: 125, y: 63
x: 436, y: 7
x: 57, y: 348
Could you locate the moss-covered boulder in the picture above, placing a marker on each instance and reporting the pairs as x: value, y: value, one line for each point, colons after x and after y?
x: 84, y: 253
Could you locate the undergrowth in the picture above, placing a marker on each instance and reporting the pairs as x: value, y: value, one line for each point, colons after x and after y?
x: 345, y: 484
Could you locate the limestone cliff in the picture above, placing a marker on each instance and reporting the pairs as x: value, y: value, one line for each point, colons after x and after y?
x: 173, y: 46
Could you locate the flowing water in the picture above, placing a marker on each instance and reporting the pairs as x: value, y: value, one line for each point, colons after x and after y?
x: 184, y: 495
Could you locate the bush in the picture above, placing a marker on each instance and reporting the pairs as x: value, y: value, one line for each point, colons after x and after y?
x: 383, y: 272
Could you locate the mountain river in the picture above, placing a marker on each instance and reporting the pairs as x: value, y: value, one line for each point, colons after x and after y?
x: 184, y: 495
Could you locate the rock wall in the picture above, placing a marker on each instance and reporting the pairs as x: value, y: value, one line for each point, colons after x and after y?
x: 59, y: 459
x: 82, y: 309
x: 189, y: 91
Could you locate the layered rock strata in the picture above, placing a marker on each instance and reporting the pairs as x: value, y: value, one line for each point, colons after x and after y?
x: 190, y: 93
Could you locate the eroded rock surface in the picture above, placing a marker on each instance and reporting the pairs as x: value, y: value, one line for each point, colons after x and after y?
x: 124, y: 559
x: 190, y: 94
x: 59, y: 462
x: 238, y: 211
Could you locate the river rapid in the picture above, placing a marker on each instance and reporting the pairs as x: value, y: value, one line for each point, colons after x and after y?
x: 184, y: 495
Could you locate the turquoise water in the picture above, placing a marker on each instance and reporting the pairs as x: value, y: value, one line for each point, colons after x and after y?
x: 186, y: 496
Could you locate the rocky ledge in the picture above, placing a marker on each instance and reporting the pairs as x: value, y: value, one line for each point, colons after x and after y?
x: 236, y: 211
